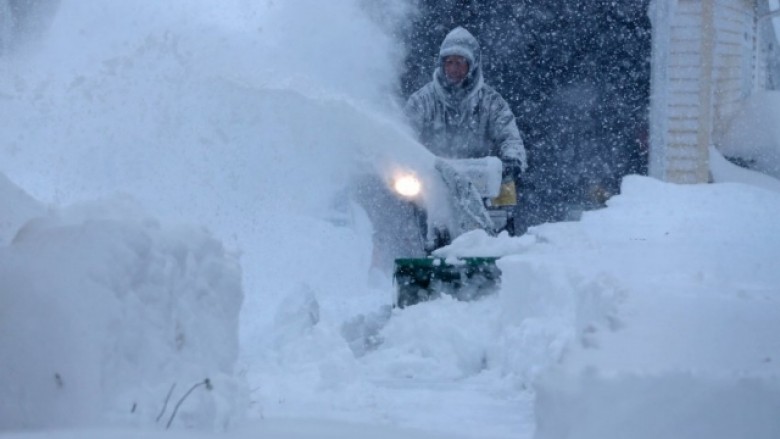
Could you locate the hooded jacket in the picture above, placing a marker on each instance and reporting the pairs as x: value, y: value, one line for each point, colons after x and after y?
x: 468, y: 120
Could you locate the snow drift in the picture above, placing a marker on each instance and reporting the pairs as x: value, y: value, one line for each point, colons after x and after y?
x: 24, y: 208
x: 690, y: 349
x: 676, y: 404
x: 753, y: 135
x: 103, y: 310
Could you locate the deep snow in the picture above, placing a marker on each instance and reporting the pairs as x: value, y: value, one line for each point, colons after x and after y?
x: 669, y: 294
x: 104, y: 310
x: 647, y: 313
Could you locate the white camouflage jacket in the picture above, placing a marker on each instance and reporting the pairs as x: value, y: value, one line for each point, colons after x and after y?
x: 467, y: 121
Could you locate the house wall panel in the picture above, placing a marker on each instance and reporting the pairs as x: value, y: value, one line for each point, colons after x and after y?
x: 713, y: 62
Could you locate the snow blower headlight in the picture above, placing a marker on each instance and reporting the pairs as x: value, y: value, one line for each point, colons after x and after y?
x: 407, y: 185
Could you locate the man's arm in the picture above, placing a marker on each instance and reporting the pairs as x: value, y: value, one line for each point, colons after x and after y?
x: 415, y: 112
x: 504, y: 133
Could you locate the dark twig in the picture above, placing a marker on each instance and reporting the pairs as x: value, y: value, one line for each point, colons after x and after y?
x: 165, y: 404
x: 205, y: 382
x: 59, y: 381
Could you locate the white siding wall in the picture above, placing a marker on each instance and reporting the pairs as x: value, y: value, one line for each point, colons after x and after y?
x: 707, y: 59
x: 734, y: 66
x: 687, y: 65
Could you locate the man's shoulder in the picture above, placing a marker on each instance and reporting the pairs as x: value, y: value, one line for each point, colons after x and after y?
x: 488, y: 92
x: 425, y: 90
x: 492, y: 98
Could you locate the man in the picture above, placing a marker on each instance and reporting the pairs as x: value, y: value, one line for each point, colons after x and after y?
x: 457, y: 115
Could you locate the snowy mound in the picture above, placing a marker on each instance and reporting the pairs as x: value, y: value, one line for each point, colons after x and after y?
x: 754, y: 135
x: 724, y: 171
x: 654, y: 317
x: 104, y: 312
x: 667, y: 295
x: 672, y: 405
x: 690, y: 349
x: 24, y: 208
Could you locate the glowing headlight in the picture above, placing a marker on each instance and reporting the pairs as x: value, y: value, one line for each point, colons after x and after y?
x: 407, y: 185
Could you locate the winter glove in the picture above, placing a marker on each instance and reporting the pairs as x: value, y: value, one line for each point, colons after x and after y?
x: 511, y: 169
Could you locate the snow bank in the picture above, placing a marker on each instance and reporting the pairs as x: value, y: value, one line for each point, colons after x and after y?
x: 754, y: 134
x: 672, y: 405
x: 103, y: 310
x: 654, y: 317
x: 24, y: 208
x: 724, y: 171
x: 689, y: 348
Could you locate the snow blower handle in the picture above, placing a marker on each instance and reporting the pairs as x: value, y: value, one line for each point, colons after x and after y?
x: 507, y: 195
x: 511, y: 170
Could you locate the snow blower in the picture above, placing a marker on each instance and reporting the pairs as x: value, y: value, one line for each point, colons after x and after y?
x: 478, y: 199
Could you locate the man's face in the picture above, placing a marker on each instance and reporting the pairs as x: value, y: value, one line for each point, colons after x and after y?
x: 456, y: 68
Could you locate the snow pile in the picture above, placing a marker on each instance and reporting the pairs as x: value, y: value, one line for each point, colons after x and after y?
x: 103, y: 310
x: 754, y: 134
x: 724, y: 171
x: 671, y: 288
x: 688, y: 349
x: 654, y: 317
x: 477, y: 243
x: 677, y: 404
x: 24, y: 208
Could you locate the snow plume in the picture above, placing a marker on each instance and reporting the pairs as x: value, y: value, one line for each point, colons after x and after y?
x: 170, y: 101
x: 240, y: 114
x: 244, y: 116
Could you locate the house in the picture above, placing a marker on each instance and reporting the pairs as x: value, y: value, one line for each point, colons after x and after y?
x: 708, y: 57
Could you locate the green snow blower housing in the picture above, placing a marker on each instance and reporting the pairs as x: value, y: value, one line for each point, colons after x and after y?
x: 480, y: 198
x: 422, y: 279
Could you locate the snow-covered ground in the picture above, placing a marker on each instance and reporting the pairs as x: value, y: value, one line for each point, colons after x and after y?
x: 654, y: 317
